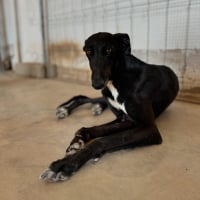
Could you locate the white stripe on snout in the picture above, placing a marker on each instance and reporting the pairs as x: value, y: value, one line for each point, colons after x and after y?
x: 115, y: 94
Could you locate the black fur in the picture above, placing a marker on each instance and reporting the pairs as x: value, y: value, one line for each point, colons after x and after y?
x: 146, y: 90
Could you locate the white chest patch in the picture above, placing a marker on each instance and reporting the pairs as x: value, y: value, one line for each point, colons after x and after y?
x: 115, y: 94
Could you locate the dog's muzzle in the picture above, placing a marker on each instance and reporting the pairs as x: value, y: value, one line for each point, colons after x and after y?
x: 98, y: 84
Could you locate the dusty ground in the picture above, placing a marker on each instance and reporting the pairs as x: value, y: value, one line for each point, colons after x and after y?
x: 31, y: 137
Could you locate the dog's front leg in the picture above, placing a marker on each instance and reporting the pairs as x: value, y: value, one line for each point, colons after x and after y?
x: 62, y: 169
x: 85, y: 135
x: 80, y: 143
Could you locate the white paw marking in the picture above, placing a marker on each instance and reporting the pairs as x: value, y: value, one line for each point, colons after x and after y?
x: 96, y: 159
x: 60, y: 177
x: 50, y: 176
x: 75, y: 147
x: 71, y: 152
x: 62, y: 113
x: 96, y: 109
x: 47, y: 175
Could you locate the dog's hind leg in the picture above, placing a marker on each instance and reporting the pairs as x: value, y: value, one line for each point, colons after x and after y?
x: 65, y: 109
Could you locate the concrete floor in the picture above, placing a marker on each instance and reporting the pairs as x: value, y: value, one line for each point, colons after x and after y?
x: 31, y: 137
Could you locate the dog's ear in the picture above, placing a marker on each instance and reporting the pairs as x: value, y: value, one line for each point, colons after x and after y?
x: 124, y: 41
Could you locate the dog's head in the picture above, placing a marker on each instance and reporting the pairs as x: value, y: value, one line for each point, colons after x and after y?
x: 103, y: 50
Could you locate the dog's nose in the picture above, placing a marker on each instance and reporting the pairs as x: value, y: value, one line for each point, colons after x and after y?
x: 98, y: 84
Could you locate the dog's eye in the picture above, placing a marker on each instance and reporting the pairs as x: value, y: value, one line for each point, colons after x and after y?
x: 89, y: 52
x: 108, y: 51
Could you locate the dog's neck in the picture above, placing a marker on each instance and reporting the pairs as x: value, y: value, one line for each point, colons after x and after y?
x: 126, y: 66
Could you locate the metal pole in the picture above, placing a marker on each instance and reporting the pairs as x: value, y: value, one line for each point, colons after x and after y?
x: 2, y: 35
x: 186, y: 41
x: 43, y: 31
x: 132, y: 21
x: 4, y: 43
x: 18, y: 43
x: 148, y: 30
x: 166, y: 30
x: 1, y: 66
x: 83, y: 19
x: 117, y: 16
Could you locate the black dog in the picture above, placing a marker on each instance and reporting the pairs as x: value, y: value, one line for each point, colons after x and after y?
x: 135, y: 91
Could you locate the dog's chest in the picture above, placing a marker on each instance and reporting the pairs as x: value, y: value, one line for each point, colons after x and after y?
x: 114, y: 102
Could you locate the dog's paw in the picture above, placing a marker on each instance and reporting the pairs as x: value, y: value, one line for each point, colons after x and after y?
x: 62, y: 169
x: 74, y: 147
x: 94, y: 160
x: 97, y: 109
x: 61, y: 112
x: 51, y: 176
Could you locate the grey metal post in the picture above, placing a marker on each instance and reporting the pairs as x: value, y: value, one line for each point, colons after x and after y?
x: 43, y: 31
x: 50, y: 69
x: 18, y: 43
x: 1, y: 66
x: 4, y: 48
x: 186, y: 41
x: 166, y: 30
x: 148, y: 30
x: 132, y: 21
